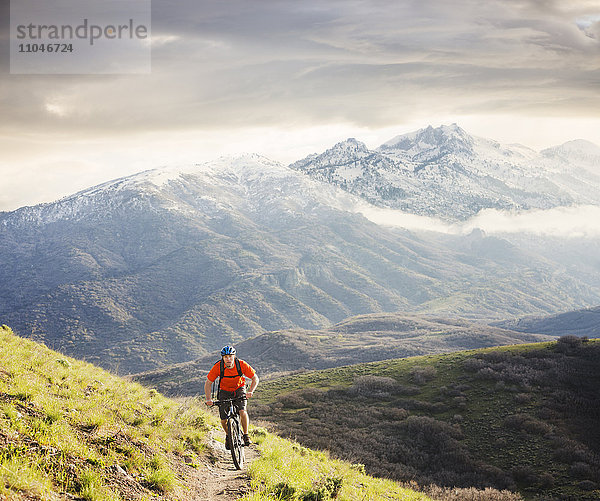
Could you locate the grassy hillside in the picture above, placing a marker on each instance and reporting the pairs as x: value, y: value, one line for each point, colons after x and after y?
x: 288, y: 471
x: 363, y: 338
x: 523, y: 418
x: 67, y: 427
x: 69, y: 430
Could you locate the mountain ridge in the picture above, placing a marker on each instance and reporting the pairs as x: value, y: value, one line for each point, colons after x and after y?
x: 169, y: 264
x: 581, y: 323
x: 360, y: 339
x: 447, y: 173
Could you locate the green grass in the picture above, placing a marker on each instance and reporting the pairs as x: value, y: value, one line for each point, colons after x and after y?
x: 92, y: 488
x: 519, y: 417
x: 67, y: 427
x: 286, y: 470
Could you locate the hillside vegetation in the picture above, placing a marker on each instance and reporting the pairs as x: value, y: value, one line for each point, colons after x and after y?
x: 364, y: 338
x: 71, y: 431
x: 523, y: 418
x: 69, y: 428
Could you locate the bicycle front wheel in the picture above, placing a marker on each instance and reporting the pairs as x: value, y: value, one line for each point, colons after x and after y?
x: 235, y: 439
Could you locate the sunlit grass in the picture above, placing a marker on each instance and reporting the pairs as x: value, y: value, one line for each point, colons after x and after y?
x: 286, y: 470
x: 70, y: 425
x: 70, y: 422
x: 21, y: 476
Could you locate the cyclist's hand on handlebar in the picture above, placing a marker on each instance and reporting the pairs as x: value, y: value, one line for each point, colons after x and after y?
x: 249, y: 394
x: 209, y: 402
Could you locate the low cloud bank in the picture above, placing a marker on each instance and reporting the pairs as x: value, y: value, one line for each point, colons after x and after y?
x: 575, y: 221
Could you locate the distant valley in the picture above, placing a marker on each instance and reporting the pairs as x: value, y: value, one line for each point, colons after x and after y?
x: 365, y: 338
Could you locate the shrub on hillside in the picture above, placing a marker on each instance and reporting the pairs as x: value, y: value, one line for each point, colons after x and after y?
x: 284, y: 491
x: 327, y: 488
x: 581, y: 470
x: 470, y: 494
x: 568, y: 343
x: 292, y: 401
x: 431, y: 427
x: 301, y: 398
x: 525, y: 475
x: 455, y: 390
x: 489, y: 374
x: 527, y: 423
x: 420, y: 375
x: 587, y: 485
x: 523, y: 398
x: 394, y: 414
x: 569, y: 451
x: 431, y: 408
x: 546, y: 480
x: 473, y: 364
x: 373, y: 385
x: 379, y: 386
x: 497, y: 356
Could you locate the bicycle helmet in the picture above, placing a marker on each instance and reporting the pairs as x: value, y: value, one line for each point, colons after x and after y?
x: 227, y: 350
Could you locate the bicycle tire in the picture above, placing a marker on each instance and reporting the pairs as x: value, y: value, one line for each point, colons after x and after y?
x: 235, y: 440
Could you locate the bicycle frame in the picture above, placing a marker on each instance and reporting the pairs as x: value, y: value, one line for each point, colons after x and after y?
x: 231, y: 410
x: 234, y: 432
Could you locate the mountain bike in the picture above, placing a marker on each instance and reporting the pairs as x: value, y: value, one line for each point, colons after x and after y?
x: 234, y: 430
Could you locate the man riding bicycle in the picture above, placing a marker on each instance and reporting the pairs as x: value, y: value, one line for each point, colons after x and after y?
x: 231, y: 371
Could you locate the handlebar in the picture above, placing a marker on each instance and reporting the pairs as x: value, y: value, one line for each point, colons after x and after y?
x: 227, y: 400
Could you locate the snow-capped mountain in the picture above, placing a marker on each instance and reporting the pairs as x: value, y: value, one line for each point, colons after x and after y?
x: 169, y: 264
x: 579, y: 152
x: 427, y: 144
x: 448, y: 173
x: 251, y: 180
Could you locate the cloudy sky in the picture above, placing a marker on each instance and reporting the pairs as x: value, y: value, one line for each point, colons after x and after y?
x: 286, y: 78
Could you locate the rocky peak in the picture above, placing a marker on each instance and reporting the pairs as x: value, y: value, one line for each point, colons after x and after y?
x: 430, y: 142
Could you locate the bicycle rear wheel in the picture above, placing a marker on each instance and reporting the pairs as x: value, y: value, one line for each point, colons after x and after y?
x: 235, y: 439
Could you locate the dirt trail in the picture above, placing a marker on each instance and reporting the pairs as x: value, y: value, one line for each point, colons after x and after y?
x: 221, y: 480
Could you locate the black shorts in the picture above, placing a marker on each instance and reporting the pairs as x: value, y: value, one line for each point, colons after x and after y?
x: 238, y: 404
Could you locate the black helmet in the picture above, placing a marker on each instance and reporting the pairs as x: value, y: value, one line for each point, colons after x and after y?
x: 227, y: 350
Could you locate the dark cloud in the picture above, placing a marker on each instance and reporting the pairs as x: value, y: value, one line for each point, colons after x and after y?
x: 240, y: 63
